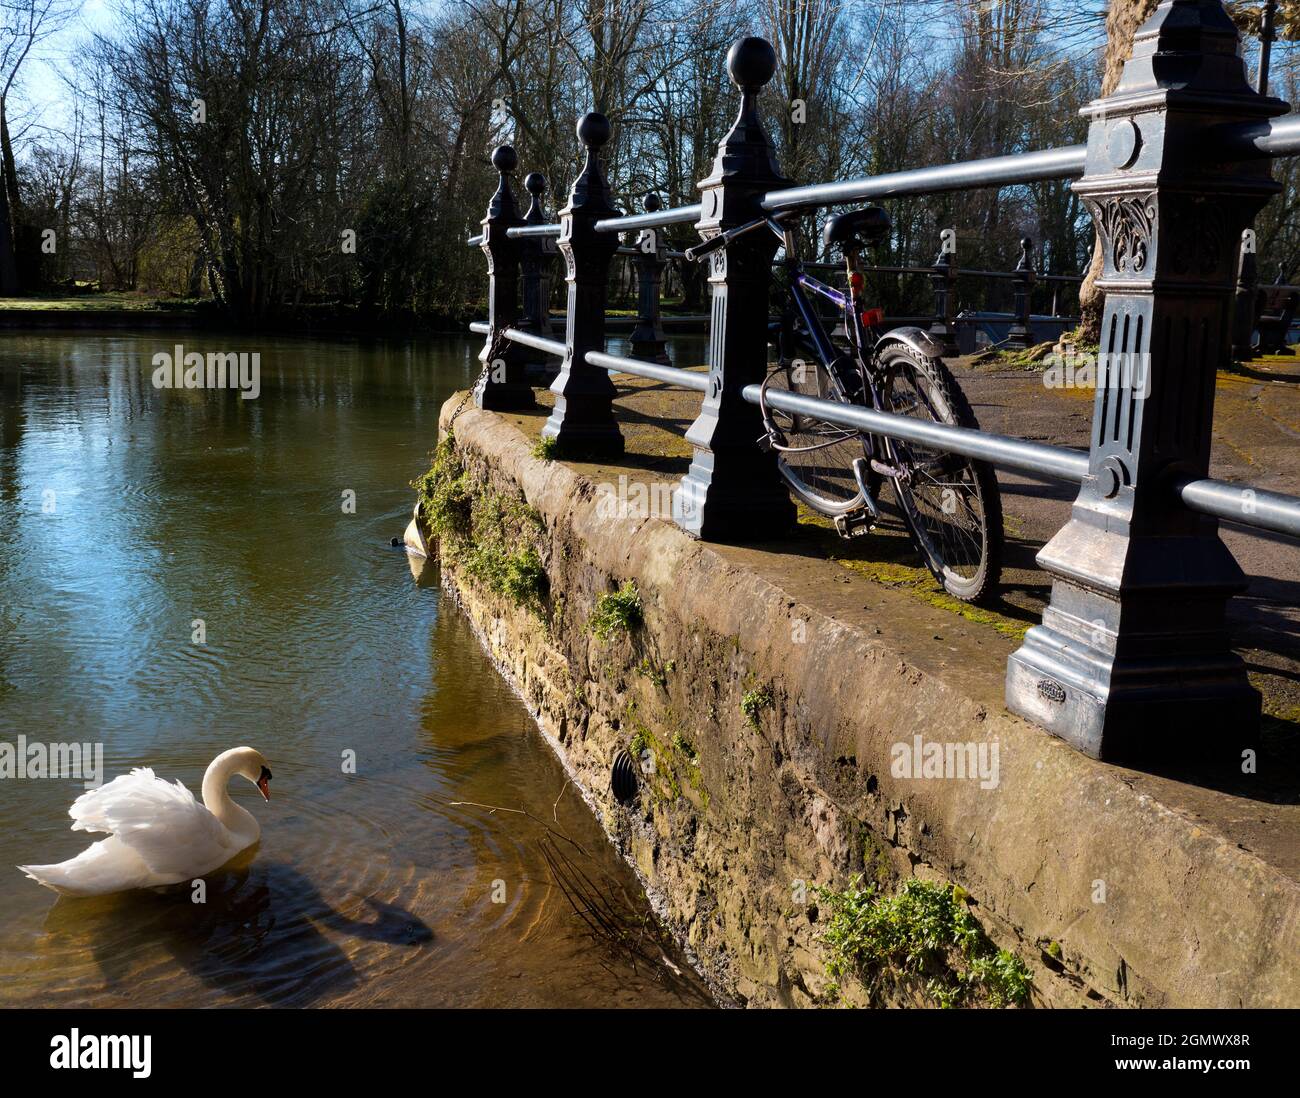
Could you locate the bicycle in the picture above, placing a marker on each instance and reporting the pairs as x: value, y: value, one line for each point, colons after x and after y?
x: 950, y: 505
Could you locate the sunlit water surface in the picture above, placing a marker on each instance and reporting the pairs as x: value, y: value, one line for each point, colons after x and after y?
x: 130, y: 514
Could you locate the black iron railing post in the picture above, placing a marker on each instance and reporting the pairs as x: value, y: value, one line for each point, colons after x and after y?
x: 1132, y: 660
x: 583, y: 419
x: 943, y: 329
x: 1279, y: 344
x: 537, y: 261
x: 648, y: 340
x: 1246, y: 300
x: 1021, y: 335
x: 733, y: 490
x: 503, y: 384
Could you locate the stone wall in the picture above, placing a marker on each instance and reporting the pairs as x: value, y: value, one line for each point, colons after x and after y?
x: 772, y: 724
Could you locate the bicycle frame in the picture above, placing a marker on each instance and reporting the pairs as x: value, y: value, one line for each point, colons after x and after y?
x: 801, y: 281
x: 881, y: 455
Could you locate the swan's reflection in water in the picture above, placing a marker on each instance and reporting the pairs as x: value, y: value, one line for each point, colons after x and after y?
x: 264, y: 933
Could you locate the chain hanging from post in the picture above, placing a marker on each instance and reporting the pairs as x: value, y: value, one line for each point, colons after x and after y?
x: 537, y: 261
x: 648, y: 339
x: 1132, y: 660
x: 733, y: 490
x: 583, y: 420
x: 494, y: 349
x: 1021, y: 335
x: 943, y: 329
x: 503, y: 385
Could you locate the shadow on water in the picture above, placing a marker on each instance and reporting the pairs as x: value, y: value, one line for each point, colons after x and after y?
x: 258, y: 934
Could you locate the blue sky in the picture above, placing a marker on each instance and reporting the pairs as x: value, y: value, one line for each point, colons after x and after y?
x: 42, y: 97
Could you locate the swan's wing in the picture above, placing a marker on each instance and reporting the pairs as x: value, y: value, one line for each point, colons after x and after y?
x: 162, y: 822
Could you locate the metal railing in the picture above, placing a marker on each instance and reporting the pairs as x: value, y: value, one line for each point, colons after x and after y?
x: 944, y: 323
x: 1132, y: 641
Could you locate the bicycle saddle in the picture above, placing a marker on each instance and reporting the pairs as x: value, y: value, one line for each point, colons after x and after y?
x: 864, y: 226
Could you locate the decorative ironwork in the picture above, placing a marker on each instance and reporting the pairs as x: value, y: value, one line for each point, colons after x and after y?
x: 1127, y: 226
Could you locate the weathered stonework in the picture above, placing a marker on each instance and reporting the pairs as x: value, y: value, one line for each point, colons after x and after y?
x: 748, y: 799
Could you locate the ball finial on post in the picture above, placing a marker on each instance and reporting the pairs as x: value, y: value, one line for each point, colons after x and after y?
x: 504, y: 159
x: 751, y: 62
x: 504, y: 387
x: 651, y: 203
x: 584, y: 394
x: 535, y: 185
x: 593, y: 129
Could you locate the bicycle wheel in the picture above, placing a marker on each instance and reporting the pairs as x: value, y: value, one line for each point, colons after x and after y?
x: 951, y: 504
x: 815, y: 458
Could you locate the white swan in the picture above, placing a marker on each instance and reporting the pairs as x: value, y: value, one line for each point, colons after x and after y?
x: 158, y: 833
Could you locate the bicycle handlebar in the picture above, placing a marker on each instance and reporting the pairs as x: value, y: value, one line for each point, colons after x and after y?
x: 722, y: 240
x: 707, y: 248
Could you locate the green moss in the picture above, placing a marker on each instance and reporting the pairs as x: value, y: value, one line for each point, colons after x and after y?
x: 922, y: 933
x: 517, y: 576
x: 617, y: 611
x: 445, y: 494
x: 754, y: 702
x: 695, y: 778
x: 891, y: 561
x: 491, y: 536
x: 546, y: 448
x: 876, y: 864
x: 918, y: 582
x: 673, y: 761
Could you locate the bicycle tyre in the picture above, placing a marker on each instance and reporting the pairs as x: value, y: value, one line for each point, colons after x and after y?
x: 818, y: 465
x: 964, y: 555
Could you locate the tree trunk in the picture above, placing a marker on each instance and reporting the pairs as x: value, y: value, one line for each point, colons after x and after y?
x: 9, y: 212
x: 1122, y: 21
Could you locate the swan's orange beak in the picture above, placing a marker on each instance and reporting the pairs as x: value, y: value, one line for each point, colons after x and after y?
x: 264, y: 784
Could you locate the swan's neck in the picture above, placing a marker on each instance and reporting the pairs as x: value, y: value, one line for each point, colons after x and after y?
x: 217, y: 798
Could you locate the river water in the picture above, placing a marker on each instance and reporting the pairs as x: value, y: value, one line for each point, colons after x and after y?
x: 137, y: 519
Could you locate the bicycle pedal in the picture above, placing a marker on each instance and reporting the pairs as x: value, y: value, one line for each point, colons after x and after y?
x: 854, y: 525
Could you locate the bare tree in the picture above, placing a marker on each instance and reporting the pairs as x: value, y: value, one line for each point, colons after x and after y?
x: 23, y: 25
x: 1123, y: 19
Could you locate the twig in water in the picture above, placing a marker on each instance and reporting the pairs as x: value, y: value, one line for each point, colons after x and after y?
x: 522, y: 812
x: 567, y: 783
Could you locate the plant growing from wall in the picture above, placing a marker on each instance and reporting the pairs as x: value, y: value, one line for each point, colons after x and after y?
x: 445, y: 494
x: 517, y: 576
x: 922, y: 933
x: 492, y: 537
x: 754, y: 702
x: 617, y: 611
